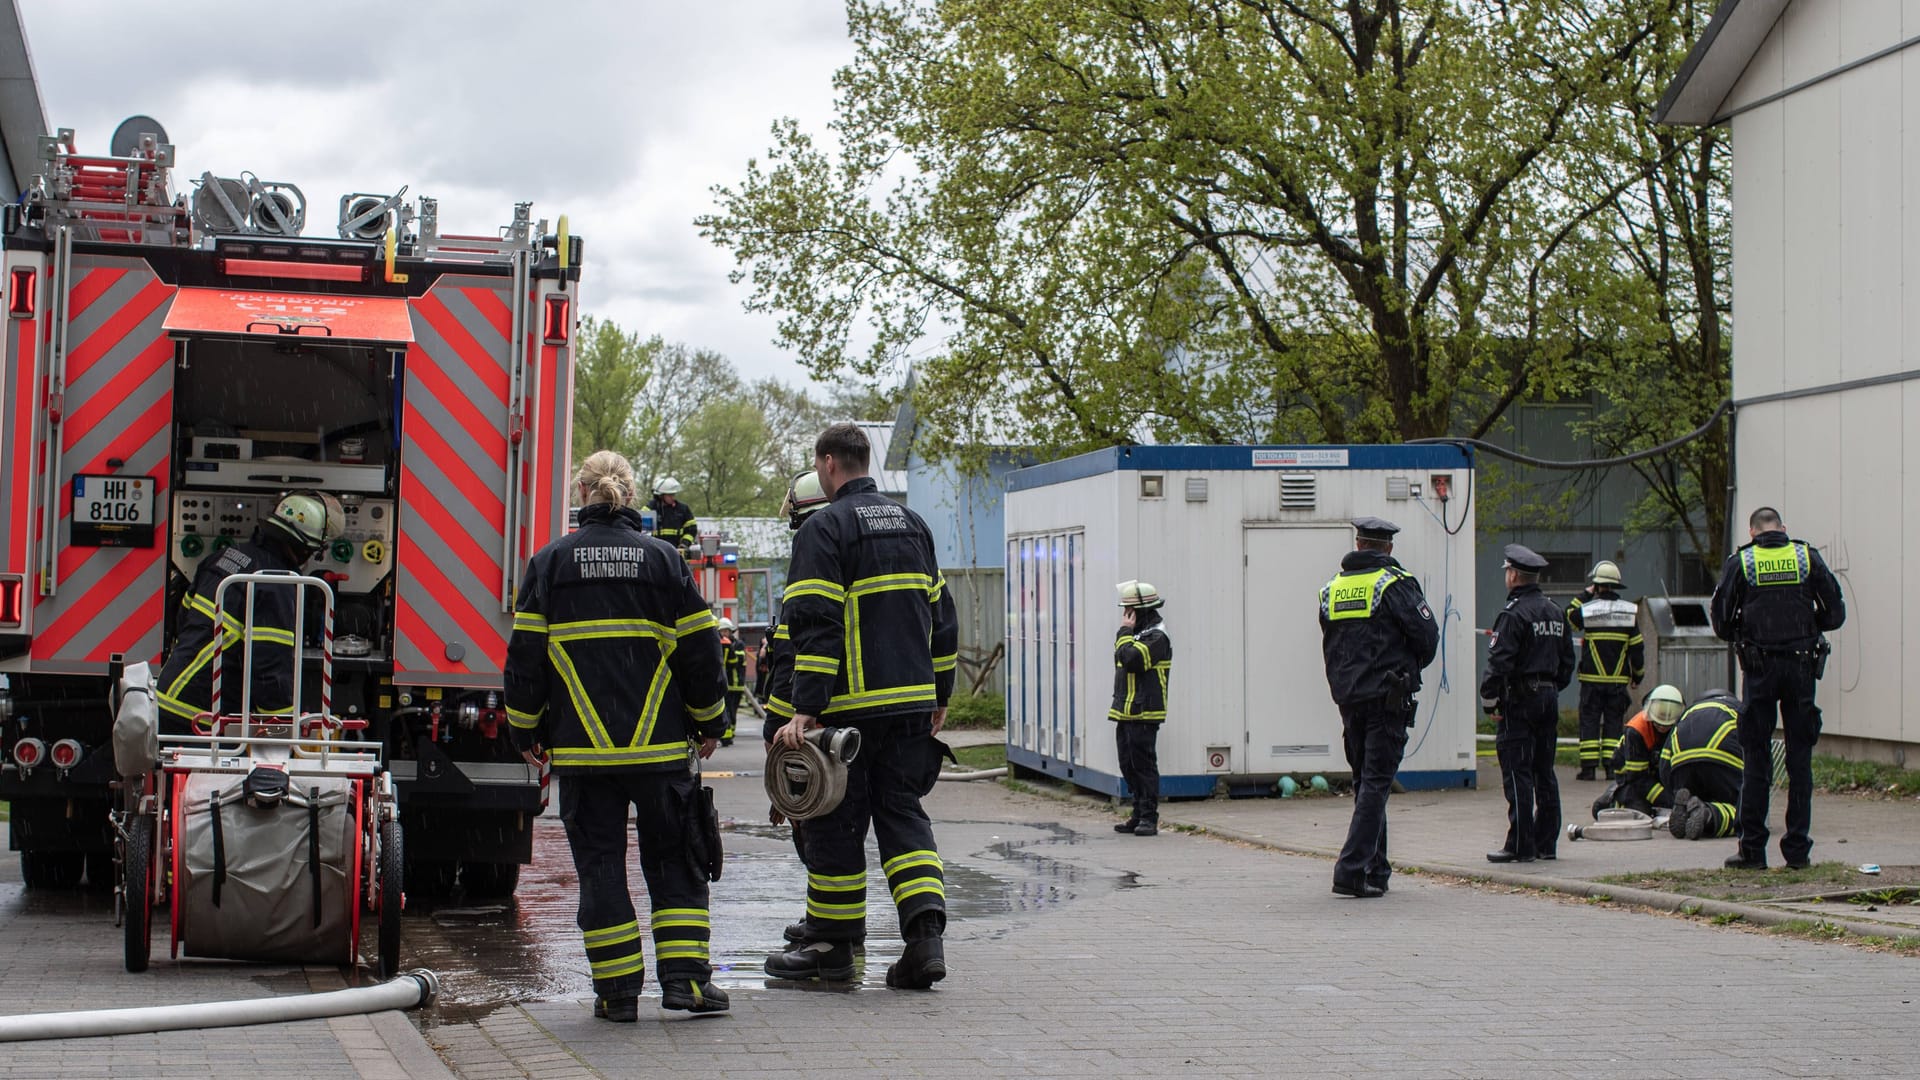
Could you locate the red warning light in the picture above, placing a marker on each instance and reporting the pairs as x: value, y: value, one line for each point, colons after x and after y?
x: 13, y: 600
x: 23, y: 292
x: 28, y: 752
x: 66, y: 754
x: 555, y: 332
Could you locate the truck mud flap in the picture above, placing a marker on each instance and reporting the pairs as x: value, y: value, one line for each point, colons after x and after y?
x: 434, y: 779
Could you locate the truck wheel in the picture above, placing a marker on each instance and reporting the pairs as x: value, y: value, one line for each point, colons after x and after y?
x: 139, y: 885
x: 392, y: 878
x: 32, y: 870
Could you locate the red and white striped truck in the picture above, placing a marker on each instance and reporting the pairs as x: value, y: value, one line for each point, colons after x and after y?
x: 171, y: 365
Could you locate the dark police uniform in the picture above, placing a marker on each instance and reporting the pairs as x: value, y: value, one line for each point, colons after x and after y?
x: 1613, y: 660
x: 185, y: 683
x: 734, y: 657
x: 675, y: 523
x: 613, y: 667
x: 1637, y: 761
x: 1776, y: 597
x: 1142, y: 669
x: 875, y: 641
x: 1701, y: 764
x: 1529, y: 661
x: 1376, y: 634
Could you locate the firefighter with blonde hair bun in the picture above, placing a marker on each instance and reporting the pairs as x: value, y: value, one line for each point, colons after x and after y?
x: 614, y: 672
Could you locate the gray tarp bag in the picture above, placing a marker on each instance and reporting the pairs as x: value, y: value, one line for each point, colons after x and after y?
x: 267, y: 878
x: 136, y: 724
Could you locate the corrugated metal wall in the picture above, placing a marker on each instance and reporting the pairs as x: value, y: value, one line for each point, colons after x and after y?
x: 980, y: 597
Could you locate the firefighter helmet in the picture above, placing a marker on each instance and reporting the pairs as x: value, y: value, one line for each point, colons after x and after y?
x: 1605, y: 573
x: 1139, y: 594
x: 726, y: 625
x: 1665, y: 705
x: 804, y: 496
x: 312, y: 518
x: 666, y: 485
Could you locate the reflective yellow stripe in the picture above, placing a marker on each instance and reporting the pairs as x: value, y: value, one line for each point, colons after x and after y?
x: 271, y: 636
x: 837, y: 882
x: 694, y: 623
x: 613, y: 935
x: 656, y: 695
x: 524, y: 719
x: 901, y: 695
x: 816, y: 665
x: 681, y: 917
x: 918, y: 886
x: 782, y: 709
x: 890, y: 583
x: 175, y: 706
x: 910, y: 858
x: 815, y: 587
x: 577, y: 691
x: 530, y: 622
x: 613, y: 969
x: 200, y: 660
x: 780, y: 633
x: 645, y: 755
x: 680, y: 950
x: 837, y: 911
x: 939, y: 589
x: 611, y: 628
x: 946, y: 663
x: 711, y: 712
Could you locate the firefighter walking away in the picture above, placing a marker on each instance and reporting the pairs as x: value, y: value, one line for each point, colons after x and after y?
x: 874, y: 647
x: 614, y: 671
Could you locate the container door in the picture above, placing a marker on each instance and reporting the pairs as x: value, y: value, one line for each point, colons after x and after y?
x: 1290, y: 722
x: 453, y: 558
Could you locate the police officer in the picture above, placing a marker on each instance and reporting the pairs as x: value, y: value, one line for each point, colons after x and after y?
x: 1529, y: 661
x: 733, y: 656
x: 1142, y: 666
x: 1613, y: 661
x: 614, y: 670
x: 673, y: 519
x: 1702, y: 765
x: 302, y: 523
x: 1637, y: 758
x: 1377, y: 634
x: 1777, y: 599
x: 875, y: 641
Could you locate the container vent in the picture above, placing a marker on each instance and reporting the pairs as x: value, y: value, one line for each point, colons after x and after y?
x: 1196, y: 489
x: 1299, y: 491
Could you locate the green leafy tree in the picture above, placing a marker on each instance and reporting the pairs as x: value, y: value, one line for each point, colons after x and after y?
x: 722, y: 463
x: 609, y: 377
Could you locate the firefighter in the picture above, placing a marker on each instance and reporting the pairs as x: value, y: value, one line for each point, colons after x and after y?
x: 1376, y: 634
x: 734, y: 656
x: 1702, y: 766
x: 302, y: 523
x: 1777, y: 600
x: 1142, y: 664
x: 614, y: 671
x: 1613, y: 662
x: 1529, y: 661
x: 1637, y: 759
x: 762, y: 673
x: 673, y: 519
x: 803, y: 498
x: 875, y: 641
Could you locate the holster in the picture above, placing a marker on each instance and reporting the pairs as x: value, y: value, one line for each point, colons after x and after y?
x: 1820, y: 653
x: 702, y: 824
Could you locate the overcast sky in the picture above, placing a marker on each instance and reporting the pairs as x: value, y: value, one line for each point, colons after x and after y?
x: 620, y: 114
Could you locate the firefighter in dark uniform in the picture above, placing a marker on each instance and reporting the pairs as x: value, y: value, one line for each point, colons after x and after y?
x: 673, y: 519
x: 875, y: 641
x: 1702, y: 765
x: 1142, y: 667
x: 1612, y: 661
x: 1776, y: 600
x: 1529, y: 661
x: 614, y: 671
x: 803, y: 498
x: 734, y: 656
x: 302, y: 523
x: 1377, y: 634
x: 1637, y: 759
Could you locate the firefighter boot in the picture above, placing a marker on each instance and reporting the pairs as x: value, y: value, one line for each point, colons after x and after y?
x: 620, y: 1010
x: 1127, y: 826
x: 924, y: 962
x: 1585, y: 773
x: 686, y: 995
x: 1700, y: 820
x: 1677, y: 817
x: 796, y: 932
x: 1146, y: 828
x: 823, y: 961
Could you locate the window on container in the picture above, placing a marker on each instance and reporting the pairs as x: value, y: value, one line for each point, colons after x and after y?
x: 1566, y: 572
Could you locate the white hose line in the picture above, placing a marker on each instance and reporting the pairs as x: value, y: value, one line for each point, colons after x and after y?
x: 982, y: 774
x: 415, y: 988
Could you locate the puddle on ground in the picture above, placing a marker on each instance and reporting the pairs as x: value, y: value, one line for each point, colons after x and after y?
x: 528, y: 950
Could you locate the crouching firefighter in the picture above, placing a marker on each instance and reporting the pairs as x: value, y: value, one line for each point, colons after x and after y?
x: 875, y: 641
x: 303, y: 522
x: 613, y: 670
x: 1639, y: 785
x: 1702, y: 766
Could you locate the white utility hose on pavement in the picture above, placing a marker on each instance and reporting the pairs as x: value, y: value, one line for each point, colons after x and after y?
x: 413, y: 989
x: 979, y: 774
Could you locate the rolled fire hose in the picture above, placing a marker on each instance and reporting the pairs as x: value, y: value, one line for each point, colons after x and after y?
x: 1614, y: 824
x: 415, y: 988
x: 809, y: 782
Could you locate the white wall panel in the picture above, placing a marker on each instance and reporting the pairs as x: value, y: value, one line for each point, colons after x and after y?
x: 1863, y: 547
x: 1810, y: 32
x: 1759, y: 265
x: 1811, y: 234
x: 1870, y: 204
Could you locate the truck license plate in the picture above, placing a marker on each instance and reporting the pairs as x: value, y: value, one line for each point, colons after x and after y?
x: 113, y: 511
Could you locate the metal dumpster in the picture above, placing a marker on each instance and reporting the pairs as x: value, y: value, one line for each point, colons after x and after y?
x: 1681, y: 648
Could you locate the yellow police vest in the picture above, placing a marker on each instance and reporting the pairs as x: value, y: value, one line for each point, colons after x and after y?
x: 1787, y: 564
x: 1356, y: 596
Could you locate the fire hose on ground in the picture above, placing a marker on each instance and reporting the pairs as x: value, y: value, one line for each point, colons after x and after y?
x: 411, y: 990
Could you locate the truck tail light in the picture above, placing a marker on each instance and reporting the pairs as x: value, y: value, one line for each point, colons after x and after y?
x: 29, y: 752
x: 13, y: 601
x: 555, y: 331
x: 66, y: 754
x: 23, y: 292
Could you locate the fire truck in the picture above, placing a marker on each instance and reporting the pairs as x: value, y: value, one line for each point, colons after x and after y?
x: 171, y: 365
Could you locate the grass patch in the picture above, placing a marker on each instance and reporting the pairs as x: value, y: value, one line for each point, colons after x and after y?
x: 1748, y: 885
x: 1727, y: 918
x: 1836, y: 774
x: 977, y: 712
x: 991, y: 756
